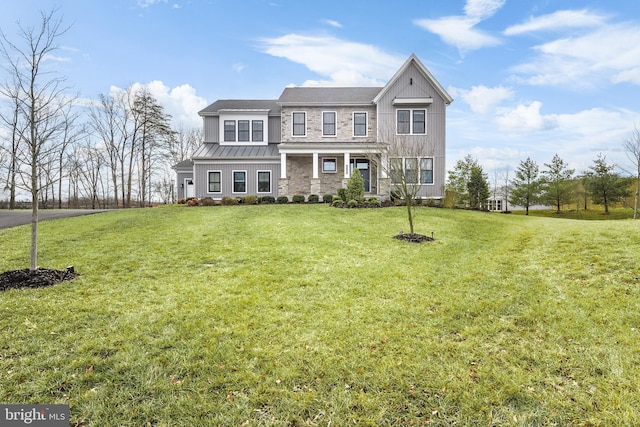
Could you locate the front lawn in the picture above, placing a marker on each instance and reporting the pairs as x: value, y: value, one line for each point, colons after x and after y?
x: 298, y: 315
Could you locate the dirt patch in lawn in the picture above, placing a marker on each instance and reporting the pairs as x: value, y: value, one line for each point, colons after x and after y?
x: 16, y: 279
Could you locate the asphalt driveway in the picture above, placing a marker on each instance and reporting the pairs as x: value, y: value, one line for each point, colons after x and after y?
x: 21, y: 217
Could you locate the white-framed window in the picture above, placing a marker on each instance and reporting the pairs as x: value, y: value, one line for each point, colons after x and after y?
x: 299, y: 123
x: 215, y: 181
x: 239, y: 181
x: 329, y: 165
x: 495, y: 205
x: 329, y: 123
x: 229, y: 130
x: 414, y: 170
x: 264, y: 181
x: 243, y: 131
x: 411, y: 121
x: 360, y: 124
x: 257, y: 130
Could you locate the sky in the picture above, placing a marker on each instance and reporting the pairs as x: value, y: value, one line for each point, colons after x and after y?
x: 529, y: 78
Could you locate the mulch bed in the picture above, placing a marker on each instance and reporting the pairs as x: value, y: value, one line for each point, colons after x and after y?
x: 39, y: 278
x: 414, y: 238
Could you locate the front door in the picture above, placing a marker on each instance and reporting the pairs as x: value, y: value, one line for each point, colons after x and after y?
x: 365, y: 172
x: 189, y: 190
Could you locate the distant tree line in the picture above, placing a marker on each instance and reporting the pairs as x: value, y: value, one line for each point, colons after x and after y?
x: 555, y: 185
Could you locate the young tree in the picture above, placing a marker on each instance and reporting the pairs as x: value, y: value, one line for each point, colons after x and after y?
x: 42, y: 101
x: 632, y: 149
x: 604, y: 184
x: 478, y: 188
x: 526, y: 185
x: 458, y: 179
x: 557, y: 187
x: 355, y: 187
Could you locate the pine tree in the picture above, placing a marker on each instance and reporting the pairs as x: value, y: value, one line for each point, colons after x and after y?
x: 526, y: 185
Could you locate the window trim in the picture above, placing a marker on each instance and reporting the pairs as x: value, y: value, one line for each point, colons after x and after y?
x: 412, y: 112
x: 366, y: 124
x: 335, y: 124
x: 224, y: 130
x: 233, y: 179
x: 253, y: 130
x: 293, y: 124
x: 335, y: 162
x: 209, y: 172
x: 258, y: 172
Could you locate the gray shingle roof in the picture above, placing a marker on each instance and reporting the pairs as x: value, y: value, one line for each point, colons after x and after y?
x: 242, y: 104
x: 185, y: 164
x: 329, y: 95
x: 217, y: 151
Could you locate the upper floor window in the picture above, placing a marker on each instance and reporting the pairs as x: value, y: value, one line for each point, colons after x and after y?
x: 243, y: 130
x: 299, y: 119
x: 229, y: 130
x: 329, y: 123
x: 359, y: 124
x: 411, y: 122
x: 257, y: 130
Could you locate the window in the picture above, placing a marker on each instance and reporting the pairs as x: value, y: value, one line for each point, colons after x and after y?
x: 264, y: 181
x: 243, y: 130
x: 329, y: 165
x: 329, y: 123
x: 239, y: 181
x: 215, y: 184
x: 413, y: 170
x: 412, y: 122
x: 257, y: 130
x: 299, y: 124
x: 426, y: 171
x: 229, y: 130
x: 359, y: 124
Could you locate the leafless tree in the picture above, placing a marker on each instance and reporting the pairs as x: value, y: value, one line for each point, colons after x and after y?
x: 41, y: 101
x: 632, y: 148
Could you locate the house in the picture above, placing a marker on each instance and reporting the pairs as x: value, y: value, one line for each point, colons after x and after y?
x: 310, y: 140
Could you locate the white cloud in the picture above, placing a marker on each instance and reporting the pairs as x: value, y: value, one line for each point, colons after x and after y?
x: 525, y: 119
x: 238, y: 67
x: 146, y: 3
x: 181, y: 102
x: 460, y: 30
x: 345, y: 63
x: 558, y: 20
x: 606, y: 54
x: 483, y: 99
x: 332, y: 23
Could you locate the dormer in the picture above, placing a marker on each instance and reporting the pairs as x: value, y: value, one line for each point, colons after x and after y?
x: 243, y: 127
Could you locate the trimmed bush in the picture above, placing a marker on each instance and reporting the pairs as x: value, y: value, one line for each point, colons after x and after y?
x: 192, y: 201
x: 207, y: 201
x: 250, y: 200
x: 267, y: 200
x: 352, y: 203
x: 374, y: 202
x: 283, y: 200
x: 228, y: 201
x: 182, y: 201
x: 355, y: 187
x: 313, y: 198
x: 327, y: 198
x: 337, y: 202
x: 298, y: 198
x: 342, y: 193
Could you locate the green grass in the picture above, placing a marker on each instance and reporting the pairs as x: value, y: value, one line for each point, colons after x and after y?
x: 308, y: 315
x: 593, y: 213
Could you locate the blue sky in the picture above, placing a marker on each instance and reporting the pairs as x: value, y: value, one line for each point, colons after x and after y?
x: 529, y: 78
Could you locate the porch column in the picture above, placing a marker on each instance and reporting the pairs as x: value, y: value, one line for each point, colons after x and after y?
x: 347, y: 160
x: 283, y: 165
x: 315, y: 165
x: 384, y: 162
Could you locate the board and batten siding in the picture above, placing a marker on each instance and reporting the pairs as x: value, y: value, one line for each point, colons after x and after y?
x: 227, y: 168
x: 211, y: 129
x: 413, y: 84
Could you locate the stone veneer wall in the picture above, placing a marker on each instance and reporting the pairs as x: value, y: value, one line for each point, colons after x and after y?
x: 344, y: 130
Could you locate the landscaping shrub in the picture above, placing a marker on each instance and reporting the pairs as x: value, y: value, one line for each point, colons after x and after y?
x: 239, y: 200
x: 313, y: 198
x: 298, y: 198
x: 355, y: 187
x: 352, y: 203
x: 250, y: 200
x: 327, y: 198
x: 373, y: 202
x: 337, y: 202
x: 228, y: 201
x: 282, y: 200
x: 182, y: 201
x: 207, y: 201
x: 342, y: 193
x: 192, y: 201
x: 267, y: 200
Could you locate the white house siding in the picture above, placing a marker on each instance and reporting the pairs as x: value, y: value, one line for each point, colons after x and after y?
x: 227, y: 167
